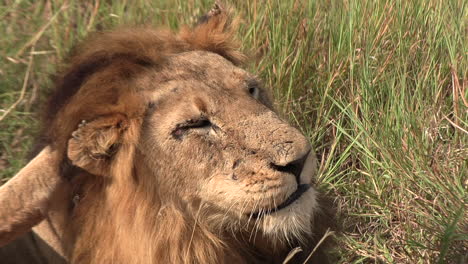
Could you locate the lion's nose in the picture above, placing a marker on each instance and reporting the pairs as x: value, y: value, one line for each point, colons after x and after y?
x: 294, y: 167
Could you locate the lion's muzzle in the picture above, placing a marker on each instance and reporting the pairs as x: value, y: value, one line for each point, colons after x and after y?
x: 301, y: 189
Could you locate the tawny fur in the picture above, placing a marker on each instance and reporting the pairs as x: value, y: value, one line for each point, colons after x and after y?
x: 20, y: 212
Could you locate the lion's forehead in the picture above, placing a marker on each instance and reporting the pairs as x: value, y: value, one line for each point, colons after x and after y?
x: 201, y: 58
x: 204, y: 67
x: 195, y: 72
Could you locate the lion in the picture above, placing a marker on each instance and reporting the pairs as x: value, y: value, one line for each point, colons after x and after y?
x: 158, y: 147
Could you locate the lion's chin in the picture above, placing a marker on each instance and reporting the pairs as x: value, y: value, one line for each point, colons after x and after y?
x: 293, y: 222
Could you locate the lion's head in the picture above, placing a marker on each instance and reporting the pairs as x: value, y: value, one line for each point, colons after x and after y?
x: 173, y: 152
x: 210, y: 139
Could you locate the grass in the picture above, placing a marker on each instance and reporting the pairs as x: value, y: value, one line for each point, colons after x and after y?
x: 380, y: 88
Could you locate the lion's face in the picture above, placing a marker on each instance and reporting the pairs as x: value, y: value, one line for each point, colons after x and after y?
x: 211, y: 141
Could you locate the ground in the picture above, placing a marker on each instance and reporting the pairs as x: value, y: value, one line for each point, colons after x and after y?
x: 379, y: 87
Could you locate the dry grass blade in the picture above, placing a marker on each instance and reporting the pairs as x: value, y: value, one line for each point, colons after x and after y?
x: 23, y: 89
x: 93, y: 15
x: 455, y: 125
x: 38, y: 35
x: 327, y: 234
x: 291, y: 254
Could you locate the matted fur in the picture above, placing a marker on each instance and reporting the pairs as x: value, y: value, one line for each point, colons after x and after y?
x: 140, y: 189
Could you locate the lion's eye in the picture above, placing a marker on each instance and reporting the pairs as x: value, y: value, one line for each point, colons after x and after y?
x: 254, y: 92
x: 200, y: 125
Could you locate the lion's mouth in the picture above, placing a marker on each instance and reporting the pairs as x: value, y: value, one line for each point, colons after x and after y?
x: 301, y: 189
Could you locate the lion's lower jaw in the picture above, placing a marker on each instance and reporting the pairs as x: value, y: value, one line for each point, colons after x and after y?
x: 293, y: 223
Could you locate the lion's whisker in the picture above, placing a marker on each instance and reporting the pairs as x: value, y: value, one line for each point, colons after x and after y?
x: 193, y: 230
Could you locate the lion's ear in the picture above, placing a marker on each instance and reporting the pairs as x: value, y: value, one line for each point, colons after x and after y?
x: 216, y: 32
x: 94, y: 144
x: 216, y: 9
